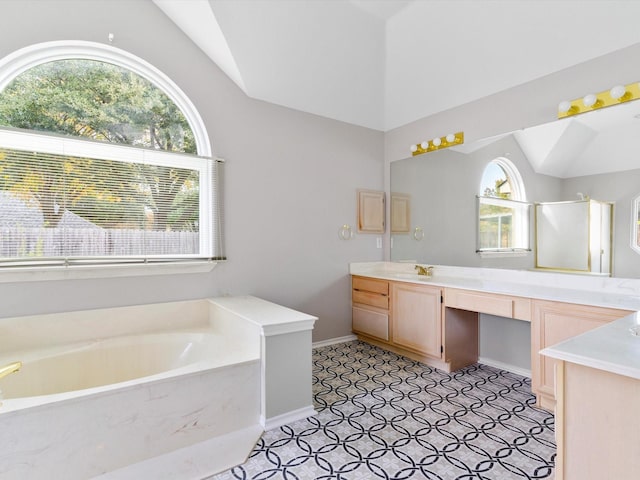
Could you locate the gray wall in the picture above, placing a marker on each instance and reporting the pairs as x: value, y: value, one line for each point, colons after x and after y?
x: 291, y: 177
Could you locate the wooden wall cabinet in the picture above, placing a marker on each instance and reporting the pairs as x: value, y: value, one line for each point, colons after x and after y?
x: 554, y: 322
x: 371, y: 211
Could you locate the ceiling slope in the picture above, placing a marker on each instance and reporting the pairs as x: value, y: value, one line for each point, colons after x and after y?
x: 383, y: 64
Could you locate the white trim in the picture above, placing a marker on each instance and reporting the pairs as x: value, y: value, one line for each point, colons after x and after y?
x: 497, y: 254
x: 41, y: 274
x: 513, y: 174
x: 21, y: 60
x: 289, y: 417
x: 505, y: 366
x: 301, y: 325
x: 635, y: 209
x: 334, y: 341
x: 76, y: 147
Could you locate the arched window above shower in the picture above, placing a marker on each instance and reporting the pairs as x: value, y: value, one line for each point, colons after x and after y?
x: 503, y: 211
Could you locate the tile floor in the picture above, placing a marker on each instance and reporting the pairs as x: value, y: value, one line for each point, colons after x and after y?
x: 383, y: 416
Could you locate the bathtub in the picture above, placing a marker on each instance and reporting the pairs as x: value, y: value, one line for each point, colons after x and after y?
x: 174, y: 390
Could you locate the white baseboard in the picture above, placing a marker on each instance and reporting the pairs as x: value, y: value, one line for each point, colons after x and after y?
x: 334, y: 341
x: 505, y: 366
x: 295, y: 415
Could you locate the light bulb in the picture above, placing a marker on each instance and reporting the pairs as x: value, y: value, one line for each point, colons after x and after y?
x: 589, y: 100
x: 414, y: 148
x: 436, y: 142
x: 425, y: 145
x: 617, y: 92
x: 564, y: 106
x: 451, y: 138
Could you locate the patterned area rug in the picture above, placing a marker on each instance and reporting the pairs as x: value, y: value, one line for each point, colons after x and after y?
x: 383, y: 416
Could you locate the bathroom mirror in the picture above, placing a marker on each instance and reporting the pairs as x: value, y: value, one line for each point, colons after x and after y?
x: 593, y: 155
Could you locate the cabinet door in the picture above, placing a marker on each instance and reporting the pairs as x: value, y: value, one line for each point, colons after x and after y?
x: 400, y: 213
x: 554, y: 322
x: 416, y: 313
x: 371, y: 211
x: 368, y: 321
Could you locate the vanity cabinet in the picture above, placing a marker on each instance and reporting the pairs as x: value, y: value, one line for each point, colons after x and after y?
x: 408, y: 319
x: 554, y: 322
x: 401, y: 317
x: 416, y: 318
x: 370, y: 307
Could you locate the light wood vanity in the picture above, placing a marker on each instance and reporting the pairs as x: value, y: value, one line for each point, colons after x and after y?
x: 406, y: 318
x: 554, y: 322
x: 438, y: 324
x: 598, y: 393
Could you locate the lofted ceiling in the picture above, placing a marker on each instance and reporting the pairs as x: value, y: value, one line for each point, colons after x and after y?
x: 385, y: 63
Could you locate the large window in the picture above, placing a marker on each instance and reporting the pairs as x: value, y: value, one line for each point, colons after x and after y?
x: 102, y: 160
x: 503, y: 213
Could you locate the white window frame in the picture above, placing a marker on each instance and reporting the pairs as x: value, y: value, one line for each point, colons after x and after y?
x: 521, y: 225
x: 635, y: 209
x: 26, y: 58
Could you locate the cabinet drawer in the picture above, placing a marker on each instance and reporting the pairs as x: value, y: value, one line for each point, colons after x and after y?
x: 371, y: 285
x: 522, y: 308
x: 479, y: 302
x: 368, y: 322
x: 367, y: 298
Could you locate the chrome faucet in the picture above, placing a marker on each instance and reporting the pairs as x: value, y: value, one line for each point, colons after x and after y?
x: 9, y: 369
x: 426, y: 271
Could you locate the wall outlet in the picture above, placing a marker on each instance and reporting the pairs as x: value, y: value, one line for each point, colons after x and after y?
x: 378, y: 242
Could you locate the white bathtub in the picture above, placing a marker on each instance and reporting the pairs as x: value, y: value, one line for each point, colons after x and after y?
x: 69, y: 371
x: 150, y: 391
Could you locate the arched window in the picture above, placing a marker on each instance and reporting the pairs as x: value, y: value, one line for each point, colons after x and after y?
x: 503, y: 214
x: 103, y: 159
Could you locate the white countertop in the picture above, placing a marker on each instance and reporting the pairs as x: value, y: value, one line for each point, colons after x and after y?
x: 622, y: 293
x: 612, y: 348
x: 272, y: 318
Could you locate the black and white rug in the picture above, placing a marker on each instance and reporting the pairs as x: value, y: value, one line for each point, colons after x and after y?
x: 383, y: 416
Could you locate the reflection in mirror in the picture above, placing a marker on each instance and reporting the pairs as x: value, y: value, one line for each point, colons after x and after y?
x: 591, y: 155
x: 635, y: 225
x: 503, y: 214
x: 574, y: 236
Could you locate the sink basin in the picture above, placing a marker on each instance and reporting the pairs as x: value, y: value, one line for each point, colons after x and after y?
x: 414, y: 277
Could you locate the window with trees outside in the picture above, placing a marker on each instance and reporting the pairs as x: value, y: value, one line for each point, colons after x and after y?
x: 99, y: 165
x: 503, y: 213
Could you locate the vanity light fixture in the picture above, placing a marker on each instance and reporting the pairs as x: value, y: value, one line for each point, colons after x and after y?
x: 438, y: 143
x: 593, y: 101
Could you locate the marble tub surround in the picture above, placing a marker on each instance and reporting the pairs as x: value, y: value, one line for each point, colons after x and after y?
x: 285, y: 345
x: 612, y: 348
x: 622, y: 293
x: 217, y: 398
